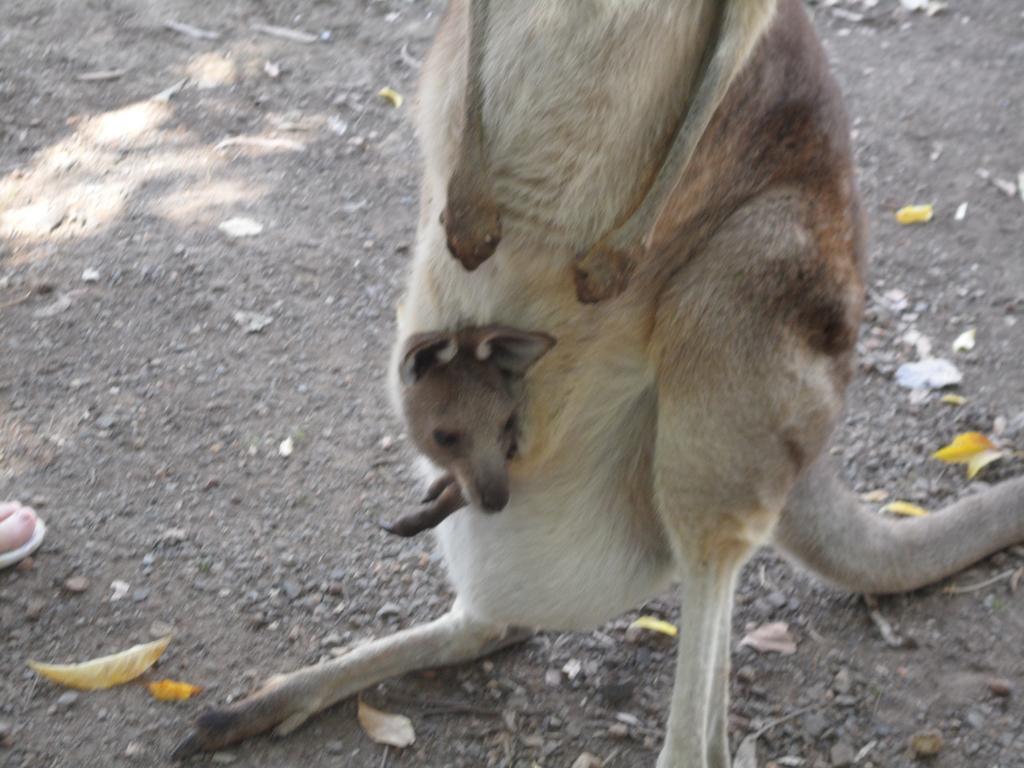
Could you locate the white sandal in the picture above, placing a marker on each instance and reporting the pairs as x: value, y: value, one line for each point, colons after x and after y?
x: 15, y: 556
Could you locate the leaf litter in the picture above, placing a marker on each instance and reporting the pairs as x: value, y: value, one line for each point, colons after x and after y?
x: 105, y: 671
x: 771, y: 638
x: 971, y: 448
x: 386, y: 728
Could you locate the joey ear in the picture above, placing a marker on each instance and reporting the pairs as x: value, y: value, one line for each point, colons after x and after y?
x: 424, y: 351
x: 511, y: 350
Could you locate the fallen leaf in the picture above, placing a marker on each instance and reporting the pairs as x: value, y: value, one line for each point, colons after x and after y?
x: 965, y: 341
x: 905, y: 508
x: 106, y: 671
x: 90, y: 275
x: 915, y: 214
x: 286, y: 448
x: 963, y: 447
x: 970, y: 448
x: 931, y: 373
x: 961, y: 212
x: 172, y: 690
x: 954, y: 399
x: 771, y: 638
x: 654, y: 624
x: 391, y: 96
x: 240, y: 226
x: 386, y: 728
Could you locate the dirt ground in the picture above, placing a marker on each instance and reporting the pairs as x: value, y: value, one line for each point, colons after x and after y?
x: 144, y: 418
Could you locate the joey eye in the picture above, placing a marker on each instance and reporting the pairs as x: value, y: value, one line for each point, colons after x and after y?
x: 446, y: 439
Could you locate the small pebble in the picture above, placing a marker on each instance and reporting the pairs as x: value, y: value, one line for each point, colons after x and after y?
x: 160, y: 629
x: 35, y: 609
x: 842, y: 755
x: 223, y: 758
x: 133, y: 750
x: 67, y: 699
x: 618, y: 731
x: 926, y: 743
x: 1000, y: 686
x: 76, y: 584
x: 842, y: 683
x: 553, y: 677
x: 587, y: 760
x: 389, y: 611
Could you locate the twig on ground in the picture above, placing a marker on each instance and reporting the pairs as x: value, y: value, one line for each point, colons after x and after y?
x: 295, y: 35
x: 954, y: 589
x: 189, y: 31
x: 15, y: 302
x: 891, y: 637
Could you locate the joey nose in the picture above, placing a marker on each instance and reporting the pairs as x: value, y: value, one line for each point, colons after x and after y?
x: 494, y: 498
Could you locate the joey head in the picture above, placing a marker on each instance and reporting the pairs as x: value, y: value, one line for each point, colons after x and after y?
x: 461, y: 394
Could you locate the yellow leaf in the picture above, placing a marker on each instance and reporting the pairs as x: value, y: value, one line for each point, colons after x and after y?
x: 970, y: 448
x: 914, y: 214
x: 980, y: 461
x: 392, y: 96
x: 964, y: 447
x: 655, y: 625
x: 905, y: 508
x: 106, y: 671
x: 954, y: 399
x: 172, y: 690
x: 386, y: 728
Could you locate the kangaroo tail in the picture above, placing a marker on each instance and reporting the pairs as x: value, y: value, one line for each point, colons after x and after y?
x: 825, y: 528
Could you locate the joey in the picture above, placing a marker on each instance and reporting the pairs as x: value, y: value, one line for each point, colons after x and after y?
x: 461, y: 395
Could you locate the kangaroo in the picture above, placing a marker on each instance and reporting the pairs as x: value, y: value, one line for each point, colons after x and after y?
x: 681, y: 419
